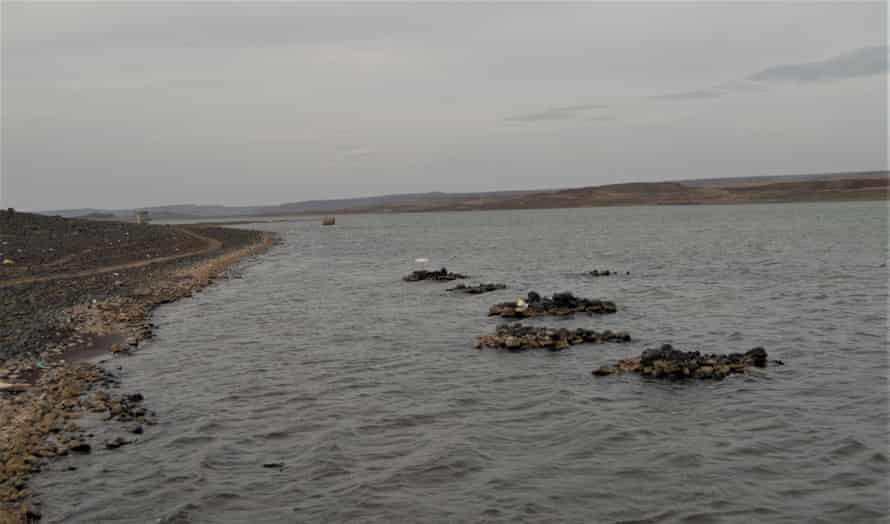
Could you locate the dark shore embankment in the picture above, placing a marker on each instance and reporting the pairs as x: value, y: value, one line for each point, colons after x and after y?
x: 69, y: 287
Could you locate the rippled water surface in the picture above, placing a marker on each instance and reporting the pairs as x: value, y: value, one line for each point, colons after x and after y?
x: 369, y: 392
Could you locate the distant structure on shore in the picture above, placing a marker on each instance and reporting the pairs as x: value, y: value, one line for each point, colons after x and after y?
x: 328, y: 221
x: 142, y: 217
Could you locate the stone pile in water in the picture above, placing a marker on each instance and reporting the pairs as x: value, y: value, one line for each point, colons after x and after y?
x: 605, y: 273
x: 670, y: 363
x: 561, y: 304
x: 517, y: 337
x: 441, y: 275
x: 477, y: 290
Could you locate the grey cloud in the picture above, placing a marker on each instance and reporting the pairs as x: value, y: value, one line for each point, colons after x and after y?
x: 556, y: 113
x: 865, y: 61
x: 264, y: 102
x: 355, y: 151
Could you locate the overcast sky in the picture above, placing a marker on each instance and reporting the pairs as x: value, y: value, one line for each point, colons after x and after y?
x: 119, y: 105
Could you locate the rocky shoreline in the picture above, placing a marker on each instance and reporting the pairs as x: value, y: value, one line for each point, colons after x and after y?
x: 53, y: 318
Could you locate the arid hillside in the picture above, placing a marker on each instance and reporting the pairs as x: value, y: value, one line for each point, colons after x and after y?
x: 839, y: 188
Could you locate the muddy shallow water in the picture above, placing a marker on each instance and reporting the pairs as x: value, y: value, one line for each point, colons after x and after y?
x: 368, y: 392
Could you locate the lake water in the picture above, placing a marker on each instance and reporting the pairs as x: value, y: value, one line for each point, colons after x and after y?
x: 368, y: 390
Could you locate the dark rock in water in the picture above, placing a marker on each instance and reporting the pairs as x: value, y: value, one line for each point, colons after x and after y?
x: 517, y: 337
x: 757, y: 356
x: 273, y: 465
x: 135, y: 397
x: 116, y: 443
x: 477, y: 290
x: 80, y: 447
x: 440, y: 275
x: 601, y: 273
x: 667, y: 362
x: 137, y: 430
x: 560, y: 304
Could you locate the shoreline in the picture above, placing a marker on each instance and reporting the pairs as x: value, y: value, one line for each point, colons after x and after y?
x: 54, y: 388
x: 869, y: 186
x: 310, y: 216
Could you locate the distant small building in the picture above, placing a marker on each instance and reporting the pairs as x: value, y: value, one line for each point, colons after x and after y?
x: 142, y: 217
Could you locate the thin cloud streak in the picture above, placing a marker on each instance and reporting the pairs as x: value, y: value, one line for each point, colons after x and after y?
x: 865, y: 61
x: 556, y: 113
x: 693, y: 95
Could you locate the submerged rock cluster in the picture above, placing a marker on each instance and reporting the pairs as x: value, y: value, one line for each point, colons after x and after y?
x: 440, y: 275
x: 605, y: 273
x: 477, y: 290
x: 517, y: 337
x: 667, y: 362
x: 560, y: 304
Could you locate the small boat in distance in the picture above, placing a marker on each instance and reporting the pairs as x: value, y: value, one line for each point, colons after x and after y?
x: 328, y: 221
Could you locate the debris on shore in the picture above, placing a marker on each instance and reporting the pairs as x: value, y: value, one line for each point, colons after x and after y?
x: 669, y: 363
x: 517, y: 337
x: 441, y: 275
x: 477, y: 290
x: 560, y: 304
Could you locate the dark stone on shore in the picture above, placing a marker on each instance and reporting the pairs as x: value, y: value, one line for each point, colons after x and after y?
x: 477, y: 290
x: 137, y: 430
x: 441, y: 275
x: 669, y: 363
x: 517, y: 337
x: 560, y: 304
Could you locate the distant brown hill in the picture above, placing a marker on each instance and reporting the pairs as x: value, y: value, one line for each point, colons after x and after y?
x: 870, y: 186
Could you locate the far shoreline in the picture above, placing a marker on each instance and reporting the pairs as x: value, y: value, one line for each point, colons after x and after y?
x: 235, y: 221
